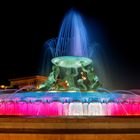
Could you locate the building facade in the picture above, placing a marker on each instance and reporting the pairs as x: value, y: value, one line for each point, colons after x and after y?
x: 28, y: 81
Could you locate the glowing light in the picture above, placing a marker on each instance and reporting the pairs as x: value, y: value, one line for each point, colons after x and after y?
x: 2, y: 86
x: 84, y: 78
x: 67, y: 83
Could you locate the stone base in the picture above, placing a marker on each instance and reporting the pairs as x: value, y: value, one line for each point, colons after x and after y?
x: 73, y: 128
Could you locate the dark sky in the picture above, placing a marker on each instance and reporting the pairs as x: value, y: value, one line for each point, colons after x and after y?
x: 26, y: 26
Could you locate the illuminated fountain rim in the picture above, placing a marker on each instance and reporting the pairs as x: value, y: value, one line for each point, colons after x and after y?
x: 70, y: 61
x: 71, y: 96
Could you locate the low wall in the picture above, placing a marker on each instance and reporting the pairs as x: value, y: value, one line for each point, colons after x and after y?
x: 73, y: 128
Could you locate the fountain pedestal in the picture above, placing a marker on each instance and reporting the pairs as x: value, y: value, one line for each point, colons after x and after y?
x: 70, y: 128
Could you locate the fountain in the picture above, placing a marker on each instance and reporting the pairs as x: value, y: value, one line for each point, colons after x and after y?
x: 72, y: 88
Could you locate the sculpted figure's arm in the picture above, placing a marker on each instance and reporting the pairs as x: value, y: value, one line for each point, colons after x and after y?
x: 81, y: 84
x: 83, y: 67
x: 75, y: 72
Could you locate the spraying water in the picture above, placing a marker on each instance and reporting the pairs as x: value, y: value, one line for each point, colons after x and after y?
x: 47, y: 54
x: 73, y: 39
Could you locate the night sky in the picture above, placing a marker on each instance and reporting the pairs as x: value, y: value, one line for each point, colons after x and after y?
x: 26, y: 26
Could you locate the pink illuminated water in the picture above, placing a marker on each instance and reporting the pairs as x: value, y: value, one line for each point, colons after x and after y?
x: 68, y: 109
x: 70, y: 104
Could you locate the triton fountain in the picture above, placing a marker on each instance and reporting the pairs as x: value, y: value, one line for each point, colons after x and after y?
x: 72, y: 87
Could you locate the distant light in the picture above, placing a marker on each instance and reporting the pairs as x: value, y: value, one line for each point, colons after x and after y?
x: 2, y: 86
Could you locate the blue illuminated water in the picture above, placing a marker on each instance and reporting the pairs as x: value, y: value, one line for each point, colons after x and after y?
x: 72, y: 39
x: 48, y: 53
x: 65, y: 96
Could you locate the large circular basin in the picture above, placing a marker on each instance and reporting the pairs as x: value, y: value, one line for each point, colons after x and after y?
x: 71, y: 61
